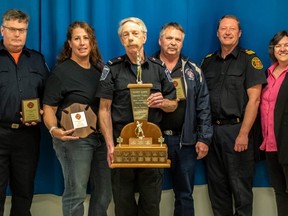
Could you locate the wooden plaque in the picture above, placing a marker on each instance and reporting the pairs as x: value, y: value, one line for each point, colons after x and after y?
x: 31, y: 110
x: 180, y: 90
x: 80, y: 117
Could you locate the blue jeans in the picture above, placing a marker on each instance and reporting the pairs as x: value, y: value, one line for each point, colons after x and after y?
x: 182, y: 170
x: 83, y: 160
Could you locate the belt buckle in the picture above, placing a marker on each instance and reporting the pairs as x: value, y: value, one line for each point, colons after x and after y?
x: 15, y: 126
x: 218, y: 122
x: 168, y: 132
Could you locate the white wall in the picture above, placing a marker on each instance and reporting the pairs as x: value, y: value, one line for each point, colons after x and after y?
x: 264, y: 203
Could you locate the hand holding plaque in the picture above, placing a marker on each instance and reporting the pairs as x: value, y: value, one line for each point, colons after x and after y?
x: 31, y: 110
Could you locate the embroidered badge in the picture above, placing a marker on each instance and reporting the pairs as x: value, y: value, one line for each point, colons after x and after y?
x: 105, y: 72
x: 256, y: 63
x: 189, y: 74
x: 167, y: 72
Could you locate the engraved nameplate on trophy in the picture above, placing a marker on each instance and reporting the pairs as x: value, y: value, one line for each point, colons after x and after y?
x: 179, y: 86
x: 31, y: 110
x: 79, y: 117
x: 139, y: 94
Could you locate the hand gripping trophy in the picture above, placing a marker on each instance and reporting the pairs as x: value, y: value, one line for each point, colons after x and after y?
x: 134, y: 149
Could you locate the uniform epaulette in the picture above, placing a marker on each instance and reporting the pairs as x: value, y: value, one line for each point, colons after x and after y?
x: 116, y: 60
x: 157, y: 61
x: 249, y: 52
x: 209, y: 55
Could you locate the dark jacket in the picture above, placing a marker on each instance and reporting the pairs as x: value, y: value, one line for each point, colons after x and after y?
x: 281, y: 122
x: 197, y: 124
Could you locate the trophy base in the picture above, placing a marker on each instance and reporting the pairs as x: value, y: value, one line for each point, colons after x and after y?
x: 141, y: 156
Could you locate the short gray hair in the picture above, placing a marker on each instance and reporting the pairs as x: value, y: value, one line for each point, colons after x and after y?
x: 134, y: 20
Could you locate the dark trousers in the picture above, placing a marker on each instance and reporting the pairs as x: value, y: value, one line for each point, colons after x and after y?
x: 229, y: 173
x: 183, y: 160
x: 127, y: 181
x: 278, y: 175
x: 19, y: 152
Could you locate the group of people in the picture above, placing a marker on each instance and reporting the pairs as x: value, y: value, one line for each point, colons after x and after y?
x: 213, y: 121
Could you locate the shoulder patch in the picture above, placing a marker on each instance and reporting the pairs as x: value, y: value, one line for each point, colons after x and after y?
x: 256, y: 63
x: 105, y: 72
x: 115, y: 60
x: 249, y: 52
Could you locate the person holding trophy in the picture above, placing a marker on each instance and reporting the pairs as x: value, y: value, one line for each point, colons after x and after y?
x: 189, y: 137
x: 116, y: 111
x: 82, y: 154
x: 23, y: 73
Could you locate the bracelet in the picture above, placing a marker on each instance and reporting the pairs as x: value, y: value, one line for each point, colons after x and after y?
x: 51, y: 130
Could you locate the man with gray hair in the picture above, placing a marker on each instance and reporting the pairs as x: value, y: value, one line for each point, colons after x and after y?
x: 116, y: 111
x: 22, y: 76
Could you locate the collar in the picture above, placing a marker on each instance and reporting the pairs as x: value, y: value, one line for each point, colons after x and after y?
x: 128, y: 62
x: 234, y: 53
x: 25, y: 50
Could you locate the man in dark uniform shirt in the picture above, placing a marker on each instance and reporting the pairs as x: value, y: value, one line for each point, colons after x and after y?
x: 188, y: 130
x: 116, y: 111
x: 22, y: 76
x: 234, y: 77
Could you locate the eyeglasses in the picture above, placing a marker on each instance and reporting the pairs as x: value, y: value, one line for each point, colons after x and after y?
x: 14, y: 30
x: 279, y: 46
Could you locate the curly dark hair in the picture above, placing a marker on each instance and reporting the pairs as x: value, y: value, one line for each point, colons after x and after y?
x: 95, y: 55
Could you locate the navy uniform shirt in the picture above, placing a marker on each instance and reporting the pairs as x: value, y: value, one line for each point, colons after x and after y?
x: 228, y: 80
x: 120, y: 72
x: 24, y: 80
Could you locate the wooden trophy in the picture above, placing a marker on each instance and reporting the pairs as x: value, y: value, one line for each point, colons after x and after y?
x: 140, y: 144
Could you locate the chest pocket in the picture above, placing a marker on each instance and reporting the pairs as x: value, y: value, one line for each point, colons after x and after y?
x: 211, y: 79
x: 34, y: 77
x: 4, y: 77
x: 234, y: 79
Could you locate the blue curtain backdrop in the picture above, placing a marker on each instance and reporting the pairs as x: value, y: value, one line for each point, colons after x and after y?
x: 260, y: 20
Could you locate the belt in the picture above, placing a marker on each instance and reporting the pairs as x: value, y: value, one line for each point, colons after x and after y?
x: 11, y: 125
x: 171, y: 133
x: 227, y: 121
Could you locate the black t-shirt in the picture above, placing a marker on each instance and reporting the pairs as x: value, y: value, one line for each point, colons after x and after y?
x: 118, y: 73
x: 228, y: 80
x: 70, y: 83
